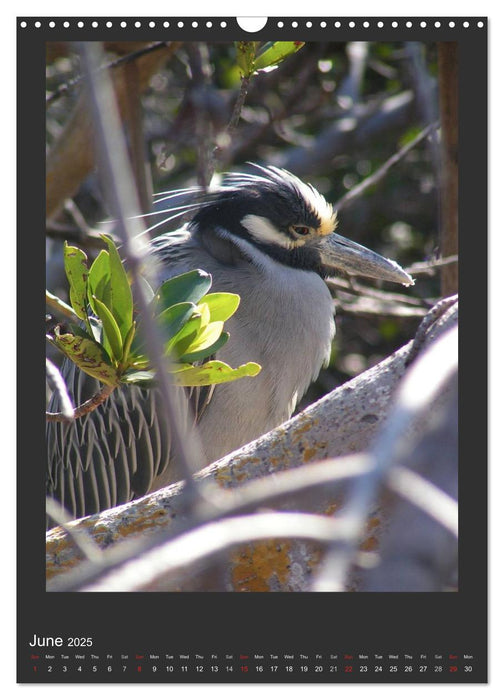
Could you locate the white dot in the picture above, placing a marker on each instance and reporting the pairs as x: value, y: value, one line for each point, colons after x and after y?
x: 52, y: 24
x: 180, y: 24
x: 109, y: 24
x: 80, y: 24
x: 23, y: 25
x: 280, y: 24
x: 380, y: 24
x: 208, y: 24
x: 351, y: 24
x: 394, y: 24
x: 409, y: 24
x: 37, y: 24
x: 365, y: 24
x: 308, y: 24
x: 480, y: 24
x: 138, y: 24
x: 466, y: 24
x: 94, y: 24
x: 451, y: 24
x: 152, y: 25
x: 194, y: 24
x: 223, y: 24
x: 437, y: 24
x: 423, y: 24
x: 337, y: 24
x: 123, y: 24
x: 66, y: 24
x: 166, y: 24
x: 294, y: 24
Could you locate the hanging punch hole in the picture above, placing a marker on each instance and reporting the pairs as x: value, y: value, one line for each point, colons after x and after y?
x: 252, y: 24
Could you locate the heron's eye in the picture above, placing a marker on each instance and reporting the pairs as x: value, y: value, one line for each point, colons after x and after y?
x: 301, y: 230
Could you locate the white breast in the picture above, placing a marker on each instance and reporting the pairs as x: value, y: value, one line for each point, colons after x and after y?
x: 285, y: 323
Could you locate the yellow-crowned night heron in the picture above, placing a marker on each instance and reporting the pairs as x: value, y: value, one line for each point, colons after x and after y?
x: 270, y: 238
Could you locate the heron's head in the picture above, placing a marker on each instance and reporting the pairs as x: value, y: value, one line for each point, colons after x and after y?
x: 288, y: 220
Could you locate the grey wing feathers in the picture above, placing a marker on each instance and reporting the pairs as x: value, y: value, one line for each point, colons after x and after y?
x: 112, y: 454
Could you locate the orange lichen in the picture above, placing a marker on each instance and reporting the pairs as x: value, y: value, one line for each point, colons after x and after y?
x: 258, y: 567
x: 138, y: 525
x: 309, y: 453
x: 369, y: 545
x: 303, y: 427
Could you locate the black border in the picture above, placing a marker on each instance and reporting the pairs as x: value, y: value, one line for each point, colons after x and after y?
x: 256, y: 623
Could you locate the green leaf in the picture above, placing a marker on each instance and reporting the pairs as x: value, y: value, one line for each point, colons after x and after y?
x: 207, y: 336
x: 206, y: 352
x: 120, y: 290
x: 274, y: 52
x: 174, y: 317
x: 213, y: 372
x: 178, y: 345
x: 99, y: 280
x: 222, y: 305
x: 87, y: 355
x: 204, y: 312
x: 128, y: 343
x: 110, y: 329
x: 190, y: 286
x: 76, y: 269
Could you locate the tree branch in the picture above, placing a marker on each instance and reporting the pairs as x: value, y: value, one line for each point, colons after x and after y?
x: 343, y: 422
x: 382, y: 171
x: 84, y: 408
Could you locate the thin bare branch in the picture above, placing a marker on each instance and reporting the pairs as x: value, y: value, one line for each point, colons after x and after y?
x: 74, y: 82
x: 219, y: 152
x: 82, y: 542
x: 211, y: 540
x: 57, y: 384
x: 426, y: 496
x: 382, y: 171
x: 119, y: 185
x: 429, y: 268
x: 84, y: 408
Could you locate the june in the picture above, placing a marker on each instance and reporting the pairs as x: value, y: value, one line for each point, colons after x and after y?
x: 46, y: 641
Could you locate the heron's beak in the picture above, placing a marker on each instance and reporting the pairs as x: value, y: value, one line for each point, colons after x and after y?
x: 340, y: 253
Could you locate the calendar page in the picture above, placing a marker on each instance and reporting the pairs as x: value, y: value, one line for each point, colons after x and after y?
x: 258, y: 461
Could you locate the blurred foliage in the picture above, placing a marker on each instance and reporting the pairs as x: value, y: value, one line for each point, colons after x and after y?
x: 332, y: 113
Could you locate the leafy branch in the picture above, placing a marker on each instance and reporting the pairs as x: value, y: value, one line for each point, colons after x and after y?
x: 107, y: 345
x: 252, y: 58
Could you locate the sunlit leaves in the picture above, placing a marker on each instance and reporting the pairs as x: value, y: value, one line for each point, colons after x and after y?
x: 252, y: 58
x: 77, y: 274
x: 214, y: 372
x: 190, y: 320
